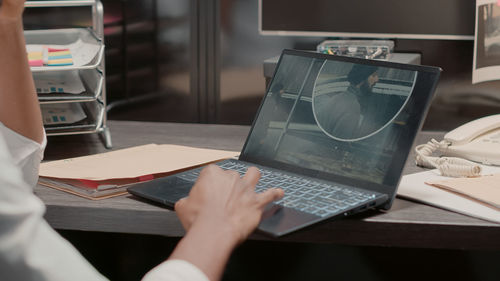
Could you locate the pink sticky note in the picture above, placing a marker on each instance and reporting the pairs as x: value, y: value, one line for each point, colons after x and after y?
x: 35, y: 63
x: 60, y: 50
x: 498, y: 2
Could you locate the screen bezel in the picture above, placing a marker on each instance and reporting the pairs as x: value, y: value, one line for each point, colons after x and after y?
x: 419, y: 105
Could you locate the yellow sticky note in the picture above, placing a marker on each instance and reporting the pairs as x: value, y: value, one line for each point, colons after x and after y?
x: 35, y: 56
x: 61, y: 62
x: 59, y: 53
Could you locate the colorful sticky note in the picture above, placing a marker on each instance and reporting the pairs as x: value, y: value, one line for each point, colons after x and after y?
x: 57, y: 50
x: 35, y: 59
x: 59, y: 53
x: 50, y: 57
x: 60, y: 62
x: 58, y: 57
x: 35, y: 56
x: 35, y: 62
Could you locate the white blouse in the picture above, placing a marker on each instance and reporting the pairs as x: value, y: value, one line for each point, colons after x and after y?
x: 29, y: 248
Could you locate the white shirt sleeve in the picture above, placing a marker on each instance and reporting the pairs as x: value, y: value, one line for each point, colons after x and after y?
x: 175, y: 270
x: 29, y: 248
x: 25, y: 153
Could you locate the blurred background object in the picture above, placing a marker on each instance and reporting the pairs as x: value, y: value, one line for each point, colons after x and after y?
x: 202, y: 61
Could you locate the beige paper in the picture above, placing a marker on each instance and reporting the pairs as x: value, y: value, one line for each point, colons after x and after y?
x: 413, y: 187
x: 485, y: 189
x: 132, y: 162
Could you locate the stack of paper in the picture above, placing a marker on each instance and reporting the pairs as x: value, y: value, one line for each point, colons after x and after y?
x: 108, y: 174
x: 485, y: 189
x: 67, y: 82
x: 62, y: 113
x: 415, y: 187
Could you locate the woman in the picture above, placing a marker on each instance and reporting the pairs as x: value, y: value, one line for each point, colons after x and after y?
x: 220, y: 212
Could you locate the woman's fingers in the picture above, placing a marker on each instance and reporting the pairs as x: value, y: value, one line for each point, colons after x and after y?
x: 269, y: 196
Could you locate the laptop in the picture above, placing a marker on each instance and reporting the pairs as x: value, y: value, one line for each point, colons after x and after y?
x: 333, y: 132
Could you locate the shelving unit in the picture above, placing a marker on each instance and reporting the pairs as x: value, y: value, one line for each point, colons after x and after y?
x: 131, y: 51
x: 91, y: 73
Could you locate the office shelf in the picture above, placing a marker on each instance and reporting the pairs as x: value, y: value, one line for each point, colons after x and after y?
x: 88, y: 67
x: 93, y: 82
x: 94, y: 112
x: 59, y: 3
x: 66, y: 37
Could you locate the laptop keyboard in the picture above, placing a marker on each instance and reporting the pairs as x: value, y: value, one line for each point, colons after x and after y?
x: 306, y: 195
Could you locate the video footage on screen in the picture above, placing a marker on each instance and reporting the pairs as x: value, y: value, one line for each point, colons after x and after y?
x: 333, y: 116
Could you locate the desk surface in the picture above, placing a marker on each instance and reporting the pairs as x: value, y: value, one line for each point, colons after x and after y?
x: 406, y: 224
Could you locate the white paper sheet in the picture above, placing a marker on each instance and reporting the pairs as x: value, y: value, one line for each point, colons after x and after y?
x: 68, y: 82
x: 62, y: 113
x: 413, y: 187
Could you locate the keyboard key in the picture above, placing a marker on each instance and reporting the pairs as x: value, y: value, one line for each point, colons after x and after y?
x: 321, y: 205
x: 351, y: 202
x: 332, y: 209
x: 308, y: 195
x: 322, y: 213
x: 310, y: 209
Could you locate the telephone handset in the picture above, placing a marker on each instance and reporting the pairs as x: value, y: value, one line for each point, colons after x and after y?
x: 478, y: 141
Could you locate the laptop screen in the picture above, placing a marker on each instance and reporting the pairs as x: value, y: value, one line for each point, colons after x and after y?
x: 343, y: 119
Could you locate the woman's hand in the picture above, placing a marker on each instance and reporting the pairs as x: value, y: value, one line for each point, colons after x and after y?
x: 225, y: 201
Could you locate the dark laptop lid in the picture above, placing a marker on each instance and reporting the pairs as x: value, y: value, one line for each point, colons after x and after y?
x: 347, y: 120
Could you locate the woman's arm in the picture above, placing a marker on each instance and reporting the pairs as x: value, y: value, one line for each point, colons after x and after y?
x: 19, y: 107
x: 221, y: 211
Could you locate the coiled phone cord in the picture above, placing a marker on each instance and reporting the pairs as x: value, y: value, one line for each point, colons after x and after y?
x: 447, y: 166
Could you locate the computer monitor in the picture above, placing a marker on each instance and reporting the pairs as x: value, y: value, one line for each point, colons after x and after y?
x: 398, y: 19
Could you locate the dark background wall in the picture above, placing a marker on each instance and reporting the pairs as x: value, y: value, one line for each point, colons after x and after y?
x: 179, y: 61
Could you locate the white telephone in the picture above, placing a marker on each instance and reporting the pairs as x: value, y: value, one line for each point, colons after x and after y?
x: 478, y: 141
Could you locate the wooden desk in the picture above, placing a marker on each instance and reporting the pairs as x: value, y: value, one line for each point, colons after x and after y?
x: 407, y: 224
